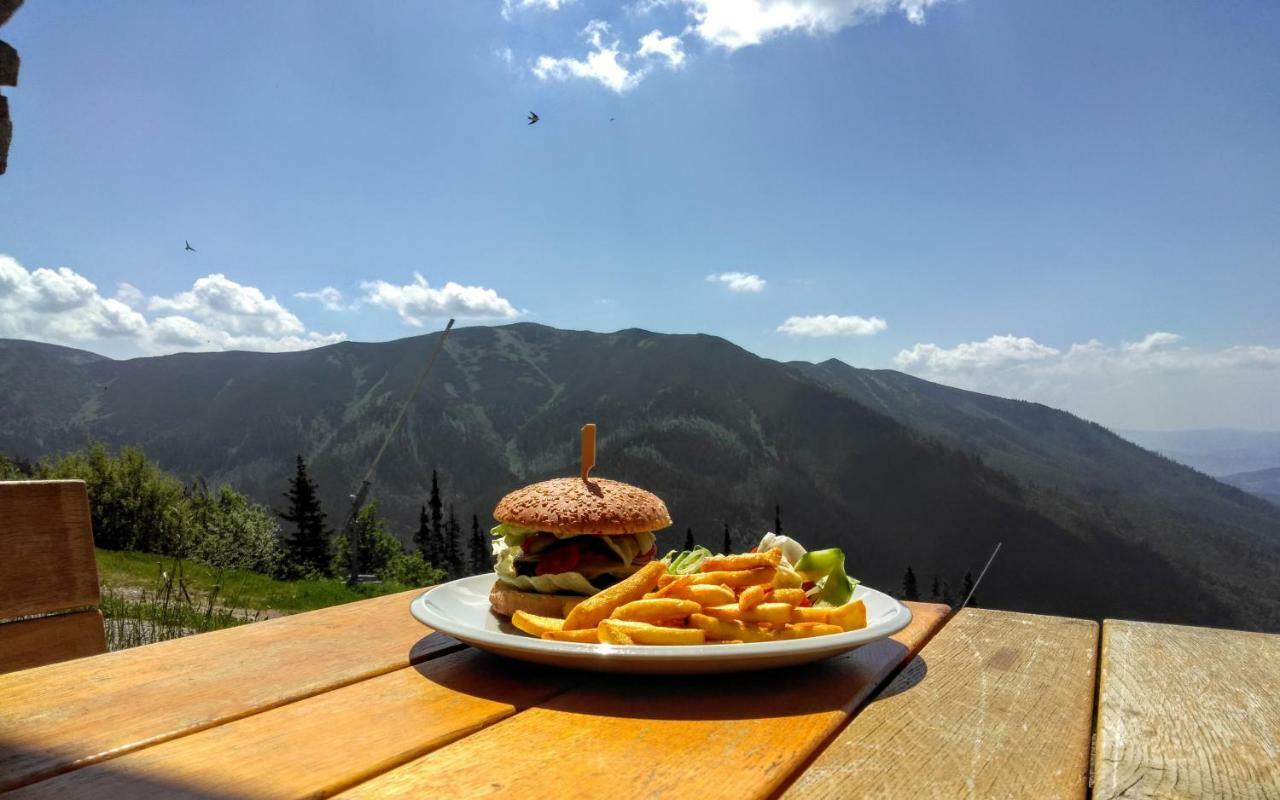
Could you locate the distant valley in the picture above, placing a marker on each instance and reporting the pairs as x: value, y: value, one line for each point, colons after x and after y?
x: 1214, y: 452
x: 896, y: 470
x: 1264, y: 483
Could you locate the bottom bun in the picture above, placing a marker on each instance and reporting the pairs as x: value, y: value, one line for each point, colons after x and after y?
x: 507, y: 600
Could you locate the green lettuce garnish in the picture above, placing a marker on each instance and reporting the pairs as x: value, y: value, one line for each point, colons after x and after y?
x: 826, y: 569
x: 512, y: 535
x: 686, y: 562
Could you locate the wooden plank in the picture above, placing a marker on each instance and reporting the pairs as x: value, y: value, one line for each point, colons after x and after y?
x: 1187, y: 712
x: 326, y: 743
x: 696, y: 736
x: 48, y: 640
x: 68, y: 715
x: 46, y: 548
x: 998, y: 705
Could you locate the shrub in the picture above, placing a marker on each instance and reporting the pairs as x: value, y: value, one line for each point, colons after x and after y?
x: 231, y: 532
x: 133, y: 504
x: 382, y: 554
x: 11, y: 470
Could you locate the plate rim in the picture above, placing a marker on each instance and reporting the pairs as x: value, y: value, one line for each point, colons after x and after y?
x: 503, y: 641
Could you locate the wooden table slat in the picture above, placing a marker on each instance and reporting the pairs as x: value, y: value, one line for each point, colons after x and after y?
x: 695, y: 736
x: 997, y: 705
x: 64, y: 716
x: 325, y: 743
x: 1187, y: 713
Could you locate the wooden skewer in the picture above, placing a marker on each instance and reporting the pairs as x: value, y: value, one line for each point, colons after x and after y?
x: 588, y: 448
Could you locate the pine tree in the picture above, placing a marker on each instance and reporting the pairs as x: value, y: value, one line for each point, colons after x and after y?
x: 308, y: 545
x: 935, y: 593
x: 422, y: 538
x: 436, y: 519
x: 777, y: 519
x: 910, y: 589
x: 967, y: 588
x: 728, y: 541
x: 688, y: 539
x: 947, y: 596
x: 453, y: 544
x: 481, y: 560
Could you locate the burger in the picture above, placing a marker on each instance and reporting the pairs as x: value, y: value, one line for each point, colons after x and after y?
x: 561, y: 540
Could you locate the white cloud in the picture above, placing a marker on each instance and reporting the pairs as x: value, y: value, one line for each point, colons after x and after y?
x: 832, y: 325
x: 738, y: 23
x: 504, y: 55
x: 1155, y: 382
x: 60, y: 306
x: 418, y: 302
x: 1153, y: 341
x: 995, y: 351
x: 230, y: 316
x: 739, y: 281
x: 328, y: 297
x: 216, y: 314
x: 129, y: 294
x: 671, y: 48
x: 510, y: 7
x: 730, y: 24
x: 606, y: 63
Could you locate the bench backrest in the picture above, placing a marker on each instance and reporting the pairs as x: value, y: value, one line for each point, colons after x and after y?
x: 47, y: 568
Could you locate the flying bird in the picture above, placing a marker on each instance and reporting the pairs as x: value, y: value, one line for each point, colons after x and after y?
x: 188, y: 244
x: 532, y: 117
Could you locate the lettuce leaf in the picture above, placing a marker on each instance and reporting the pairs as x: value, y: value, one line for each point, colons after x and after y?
x: 826, y: 568
x: 551, y: 584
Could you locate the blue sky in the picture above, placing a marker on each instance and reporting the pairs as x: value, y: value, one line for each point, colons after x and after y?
x: 1070, y: 202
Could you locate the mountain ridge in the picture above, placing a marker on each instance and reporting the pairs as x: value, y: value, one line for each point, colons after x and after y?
x: 720, y: 433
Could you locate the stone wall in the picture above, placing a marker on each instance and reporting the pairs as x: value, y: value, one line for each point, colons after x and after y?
x: 9, y: 63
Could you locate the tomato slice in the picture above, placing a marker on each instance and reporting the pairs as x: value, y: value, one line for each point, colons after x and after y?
x: 561, y: 559
x: 646, y: 556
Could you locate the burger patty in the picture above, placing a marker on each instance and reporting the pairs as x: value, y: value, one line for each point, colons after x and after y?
x: 594, y: 559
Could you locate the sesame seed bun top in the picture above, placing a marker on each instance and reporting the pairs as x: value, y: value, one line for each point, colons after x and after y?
x: 571, y: 505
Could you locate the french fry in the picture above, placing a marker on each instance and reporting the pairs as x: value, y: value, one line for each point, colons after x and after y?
x: 535, y: 625
x: 704, y: 594
x: 570, y: 604
x: 679, y: 583
x: 730, y: 629
x: 765, y: 612
x: 752, y: 596
x: 589, y: 612
x: 588, y: 636
x: 851, y: 616
x: 769, y: 558
x: 662, y: 608
x: 644, y: 633
x: 803, y: 614
x: 787, y: 578
x: 735, y: 578
x: 724, y: 641
x: 792, y: 597
x: 612, y: 634
x: 805, y: 630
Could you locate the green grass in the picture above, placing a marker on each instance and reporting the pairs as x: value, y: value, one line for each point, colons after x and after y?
x: 121, y: 571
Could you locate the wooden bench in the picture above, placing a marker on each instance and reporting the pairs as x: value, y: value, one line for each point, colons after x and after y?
x: 48, y: 578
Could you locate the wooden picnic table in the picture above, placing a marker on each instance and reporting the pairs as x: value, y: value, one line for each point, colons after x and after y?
x: 361, y: 701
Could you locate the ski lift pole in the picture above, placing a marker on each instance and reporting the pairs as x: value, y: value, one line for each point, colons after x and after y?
x: 969, y: 596
x: 358, y: 499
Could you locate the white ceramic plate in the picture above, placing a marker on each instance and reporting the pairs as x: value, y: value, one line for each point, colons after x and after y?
x: 461, y: 610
